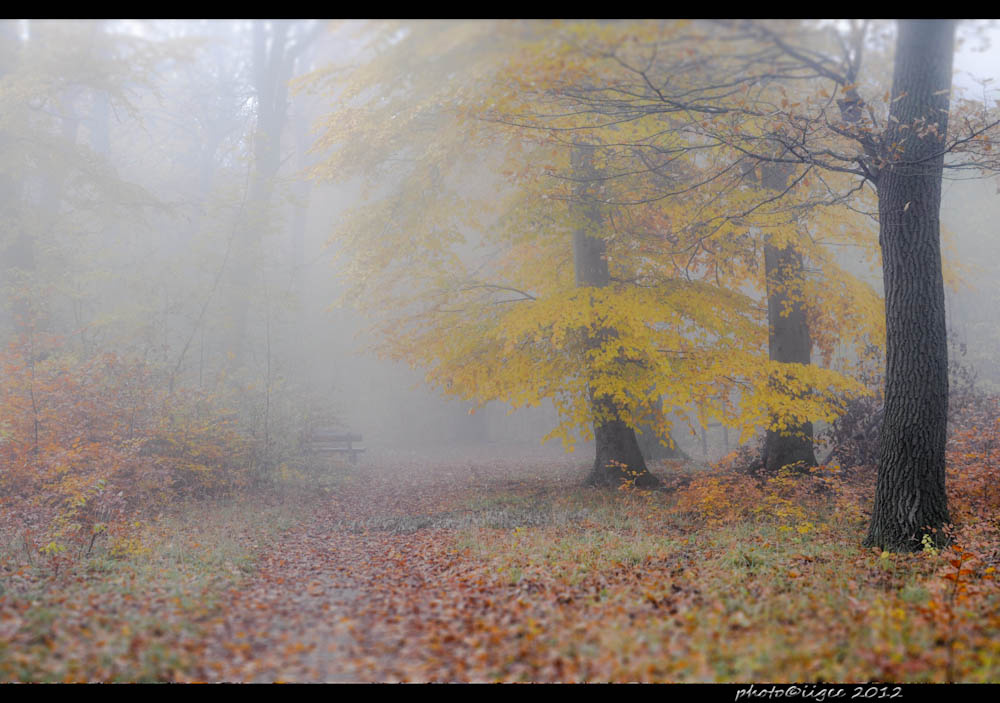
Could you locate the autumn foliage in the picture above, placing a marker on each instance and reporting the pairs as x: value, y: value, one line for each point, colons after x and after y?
x: 472, y: 276
x: 721, y: 577
x: 158, y: 519
x: 510, y: 571
x: 88, y: 445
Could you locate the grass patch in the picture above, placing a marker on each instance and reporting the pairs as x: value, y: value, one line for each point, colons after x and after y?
x: 517, y: 578
x: 704, y: 585
x: 133, y: 614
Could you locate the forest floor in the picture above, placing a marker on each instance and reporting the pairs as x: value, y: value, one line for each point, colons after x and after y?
x: 490, y: 569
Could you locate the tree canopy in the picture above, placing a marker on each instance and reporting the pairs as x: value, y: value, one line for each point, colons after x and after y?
x: 474, y: 274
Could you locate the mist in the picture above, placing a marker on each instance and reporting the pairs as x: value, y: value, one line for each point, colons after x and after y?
x: 357, y: 294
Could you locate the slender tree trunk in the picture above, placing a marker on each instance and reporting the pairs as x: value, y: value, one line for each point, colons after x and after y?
x: 910, y: 499
x: 271, y: 70
x: 31, y: 309
x: 618, y: 458
x: 100, y: 112
x: 789, y: 341
x: 303, y: 188
x: 18, y: 256
x: 274, y: 54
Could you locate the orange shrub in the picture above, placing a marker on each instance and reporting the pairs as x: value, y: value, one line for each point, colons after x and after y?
x: 90, y: 442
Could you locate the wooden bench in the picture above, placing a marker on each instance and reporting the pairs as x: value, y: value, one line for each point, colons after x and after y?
x: 325, y: 441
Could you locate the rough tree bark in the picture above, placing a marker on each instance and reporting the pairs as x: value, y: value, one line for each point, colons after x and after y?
x: 617, y: 457
x: 910, y: 499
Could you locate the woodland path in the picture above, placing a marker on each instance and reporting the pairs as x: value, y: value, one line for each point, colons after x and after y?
x: 510, y: 570
x: 348, y: 595
x: 291, y: 621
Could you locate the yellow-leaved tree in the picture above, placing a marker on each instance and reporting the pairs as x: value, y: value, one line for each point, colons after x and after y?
x: 523, y: 252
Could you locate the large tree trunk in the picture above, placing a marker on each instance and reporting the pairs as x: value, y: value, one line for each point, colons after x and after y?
x: 788, y: 342
x: 788, y: 334
x: 654, y: 450
x: 910, y: 499
x: 618, y: 458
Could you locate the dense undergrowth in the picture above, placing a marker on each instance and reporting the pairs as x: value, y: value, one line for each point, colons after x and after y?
x: 126, y: 510
x: 89, y: 447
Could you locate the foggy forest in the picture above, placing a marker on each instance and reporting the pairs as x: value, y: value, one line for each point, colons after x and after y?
x: 500, y: 351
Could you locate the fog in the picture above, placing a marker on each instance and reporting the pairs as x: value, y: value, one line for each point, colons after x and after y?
x: 457, y: 350
x: 149, y: 211
x: 164, y: 200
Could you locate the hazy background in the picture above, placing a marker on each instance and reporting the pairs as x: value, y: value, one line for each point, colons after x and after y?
x: 133, y: 159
